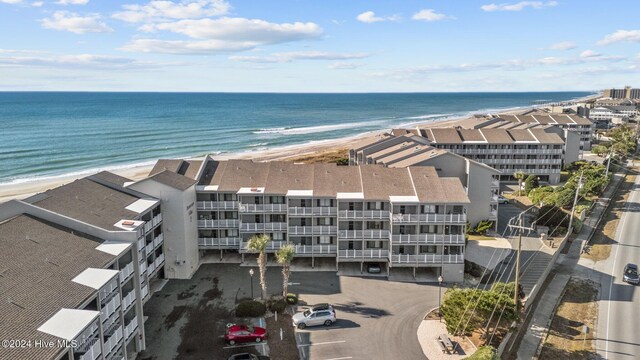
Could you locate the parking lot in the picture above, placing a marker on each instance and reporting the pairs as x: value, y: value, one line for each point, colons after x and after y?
x: 377, y: 319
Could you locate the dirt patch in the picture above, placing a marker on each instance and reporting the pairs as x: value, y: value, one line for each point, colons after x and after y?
x: 522, y: 202
x: 578, y: 307
x: 174, y: 315
x: 599, y: 247
x: 285, y: 349
x: 330, y: 156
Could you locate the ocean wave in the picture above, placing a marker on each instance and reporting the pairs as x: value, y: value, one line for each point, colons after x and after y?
x: 258, y: 144
x: 426, y: 117
x: 315, y: 129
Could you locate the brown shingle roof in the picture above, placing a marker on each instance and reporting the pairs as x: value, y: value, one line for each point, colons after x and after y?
x: 379, y: 182
x: 284, y: 176
x: 166, y: 164
x: 521, y: 135
x: 432, y: 189
x: 497, y: 136
x: 330, y: 179
x: 546, y: 138
x: 172, y: 179
x: 37, y: 263
x: 446, y: 136
x: 111, y: 177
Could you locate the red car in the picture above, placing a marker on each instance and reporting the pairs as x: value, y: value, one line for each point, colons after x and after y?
x: 244, y: 333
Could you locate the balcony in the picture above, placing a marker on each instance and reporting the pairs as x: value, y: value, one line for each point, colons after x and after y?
x: 363, y: 234
x: 128, y: 300
x: 125, y: 272
x: 149, y: 248
x: 427, y: 239
x: 422, y: 259
x: 157, y: 220
x: 143, y: 267
x: 364, y: 214
x: 109, y: 308
x: 150, y: 268
x: 148, y: 226
x: 316, y: 250
x: 261, y: 227
x: 130, y: 328
x: 113, y: 340
x: 91, y: 351
x: 144, y: 290
x: 430, y: 218
x: 313, y: 230
x: 158, y: 240
x: 220, y: 243
x: 359, y: 255
x: 312, y: 211
x: 217, y: 205
x: 262, y: 208
x: 141, y: 244
x: 159, y: 261
x: 224, y: 223
x: 495, y: 182
x: 108, y: 291
x: 272, y: 246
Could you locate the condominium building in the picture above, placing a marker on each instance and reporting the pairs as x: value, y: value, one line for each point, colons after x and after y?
x: 403, y: 148
x: 351, y: 215
x: 541, y: 152
x: 615, y: 114
x: 79, y: 262
x: 627, y: 93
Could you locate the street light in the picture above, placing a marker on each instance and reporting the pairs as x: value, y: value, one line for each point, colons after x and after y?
x: 251, y: 275
x: 439, y: 296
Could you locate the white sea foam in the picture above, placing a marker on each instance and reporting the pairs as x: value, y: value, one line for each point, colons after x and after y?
x: 315, y: 129
x: 426, y: 117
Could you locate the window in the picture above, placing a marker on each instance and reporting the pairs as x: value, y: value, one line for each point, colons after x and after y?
x: 278, y: 236
x: 324, y: 202
x: 429, y: 209
x: 324, y: 240
x: 324, y: 221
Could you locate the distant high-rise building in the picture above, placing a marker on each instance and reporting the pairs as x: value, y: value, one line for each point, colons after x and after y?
x: 627, y: 93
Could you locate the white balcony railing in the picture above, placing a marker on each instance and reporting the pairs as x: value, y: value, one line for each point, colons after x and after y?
x: 109, y: 308
x: 363, y: 254
x: 128, y: 300
x: 141, y: 244
x: 217, y: 205
x: 271, y: 246
x: 427, y: 239
x: 316, y: 249
x: 151, y: 267
x: 108, y: 290
x: 258, y: 227
x: 159, y: 261
x: 312, y: 211
x: 220, y: 243
x: 113, y: 341
x: 149, y: 248
x: 262, y: 208
x: 313, y: 230
x: 130, y: 328
x: 125, y: 272
x: 143, y: 267
x: 430, y: 218
x: 398, y: 259
x: 364, y: 214
x: 157, y: 220
x: 222, y: 223
x: 93, y: 351
x: 158, y: 240
x: 144, y: 290
x: 363, y: 234
x: 495, y: 182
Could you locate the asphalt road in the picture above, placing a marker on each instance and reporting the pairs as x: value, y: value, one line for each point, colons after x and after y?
x: 619, y: 310
x: 377, y: 319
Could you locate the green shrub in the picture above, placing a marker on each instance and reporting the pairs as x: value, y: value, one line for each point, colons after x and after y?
x: 277, y: 305
x: 292, y: 299
x: 486, y: 352
x: 342, y: 161
x: 482, y: 227
x: 530, y: 183
x: 250, y: 308
x: 539, y: 194
x: 565, y: 197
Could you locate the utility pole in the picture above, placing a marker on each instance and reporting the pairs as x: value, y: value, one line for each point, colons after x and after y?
x: 575, y: 200
x: 608, y: 163
x: 520, y: 228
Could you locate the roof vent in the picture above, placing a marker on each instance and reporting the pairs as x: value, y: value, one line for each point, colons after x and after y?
x: 128, y: 223
x: 254, y: 189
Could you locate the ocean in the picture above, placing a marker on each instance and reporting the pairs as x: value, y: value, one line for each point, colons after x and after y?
x: 49, y: 134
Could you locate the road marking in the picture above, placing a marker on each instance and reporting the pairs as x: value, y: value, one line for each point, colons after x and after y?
x: 324, y: 343
x: 239, y: 346
x: 613, y: 267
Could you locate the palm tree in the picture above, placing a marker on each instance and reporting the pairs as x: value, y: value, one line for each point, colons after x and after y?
x: 258, y: 244
x: 284, y: 257
x: 520, y: 176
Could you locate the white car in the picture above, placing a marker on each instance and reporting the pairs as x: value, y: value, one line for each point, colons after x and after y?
x: 502, y: 200
x: 321, y: 314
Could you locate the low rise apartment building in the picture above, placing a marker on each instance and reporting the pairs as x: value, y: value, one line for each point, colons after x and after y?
x: 403, y: 148
x: 79, y: 262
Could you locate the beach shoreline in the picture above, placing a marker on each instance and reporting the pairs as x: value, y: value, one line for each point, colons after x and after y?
x: 136, y: 172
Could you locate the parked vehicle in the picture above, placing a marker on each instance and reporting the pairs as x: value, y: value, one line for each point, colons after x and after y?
x: 502, y: 200
x: 321, y: 314
x: 631, y: 274
x: 244, y: 333
x: 374, y: 268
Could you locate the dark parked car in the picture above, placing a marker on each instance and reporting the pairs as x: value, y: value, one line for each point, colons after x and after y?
x: 244, y: 333
x: 374, y: 268
x: 631, y: 274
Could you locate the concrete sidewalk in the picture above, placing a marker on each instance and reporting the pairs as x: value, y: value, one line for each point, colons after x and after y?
x: 538, y: 326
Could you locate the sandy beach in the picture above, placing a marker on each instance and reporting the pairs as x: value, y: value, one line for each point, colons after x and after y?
x: 26, y: 189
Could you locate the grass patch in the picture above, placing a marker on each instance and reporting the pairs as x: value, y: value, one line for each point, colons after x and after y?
x: 603, y: 237
x: 577, y: 308
x: 481, y: 237
x: 328, y: 156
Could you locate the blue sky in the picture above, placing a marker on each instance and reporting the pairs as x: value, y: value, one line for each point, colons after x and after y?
x: 318, y: 46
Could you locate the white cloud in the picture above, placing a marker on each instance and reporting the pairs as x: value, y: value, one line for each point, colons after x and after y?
x: 343, y: 65
x: 186, y: 47
x: 518, y: 6
x: 564, y: 45
x: 37, y: 3
x: 72, y: 2
x: 286, y: 57
x: 10, y: 1
x: 86, y: 61
x: 75, y: 23
x: 169, y: 10
x: 589, y: 54
x: 428, y: 15
x: 621, y: 35
x: 370, y: 17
